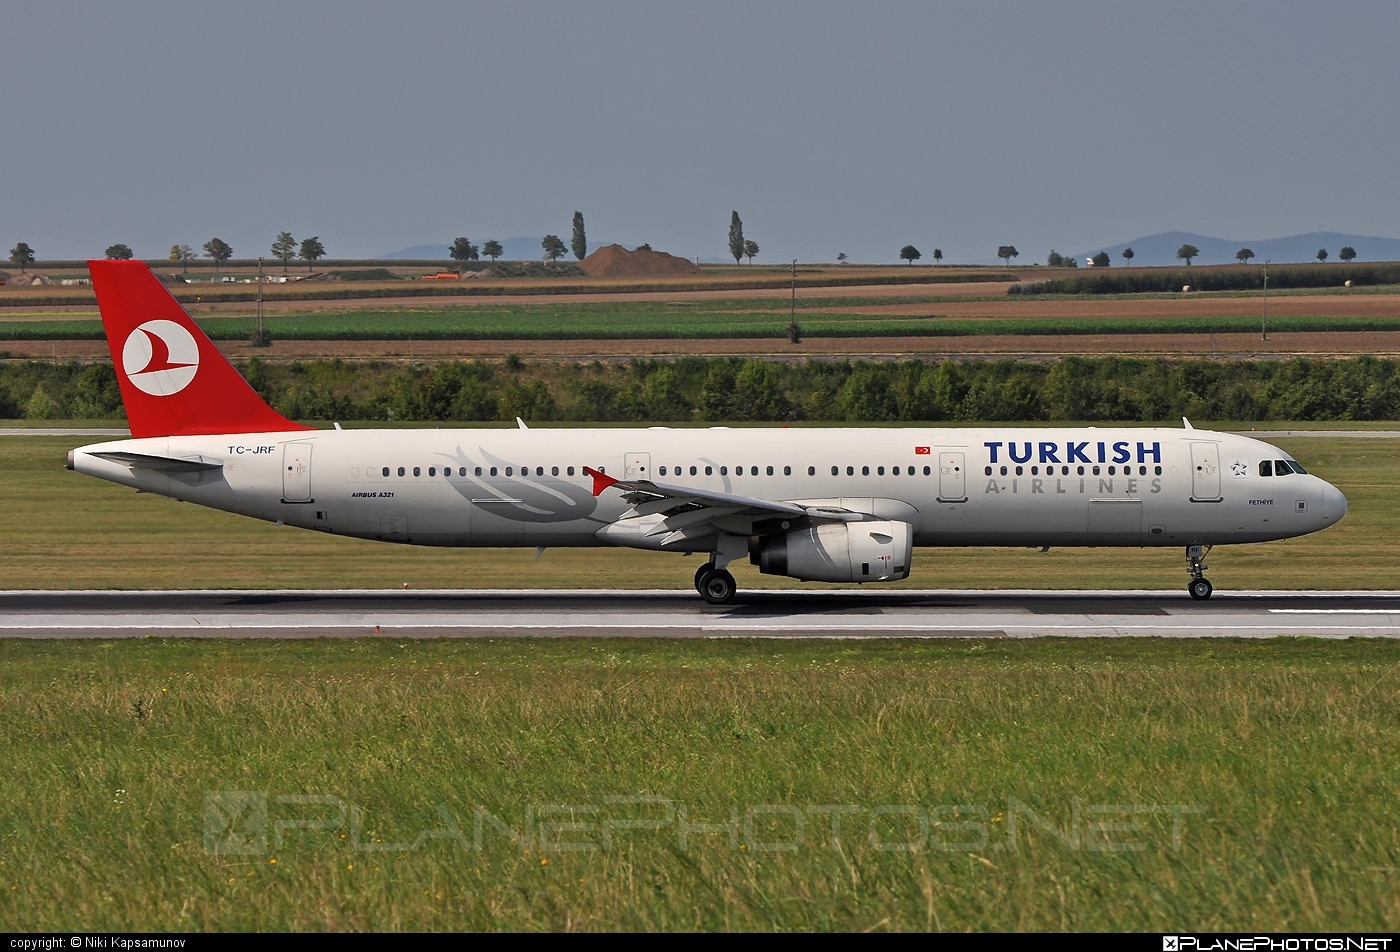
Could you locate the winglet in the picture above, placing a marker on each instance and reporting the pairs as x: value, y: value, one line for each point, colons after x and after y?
x: 521, y: 423
x: 601, y: 481
x: 1186, y: 424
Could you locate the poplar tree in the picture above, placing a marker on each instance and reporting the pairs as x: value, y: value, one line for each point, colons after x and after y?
x: 579, y: 244
x: 736, y: 237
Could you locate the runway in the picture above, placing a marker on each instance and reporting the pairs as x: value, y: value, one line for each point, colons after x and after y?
x: 681, y: 614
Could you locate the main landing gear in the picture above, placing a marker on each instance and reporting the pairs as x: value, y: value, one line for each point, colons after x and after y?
x: 715, y: 586
x: 1199, y: 586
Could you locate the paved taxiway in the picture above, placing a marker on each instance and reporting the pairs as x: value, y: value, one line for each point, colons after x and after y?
x: 674, y: 614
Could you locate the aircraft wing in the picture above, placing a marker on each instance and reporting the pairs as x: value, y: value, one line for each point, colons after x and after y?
x: 678, y: 514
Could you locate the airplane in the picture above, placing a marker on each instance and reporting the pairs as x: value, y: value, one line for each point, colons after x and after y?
x: 817, y: 504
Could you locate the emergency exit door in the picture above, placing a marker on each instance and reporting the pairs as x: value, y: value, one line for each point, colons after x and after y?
x: 1205, y: 472
x: 636, y: 466
x: 296, y: 472
x: 952, y: 478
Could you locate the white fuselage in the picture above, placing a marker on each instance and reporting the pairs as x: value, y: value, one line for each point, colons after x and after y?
x: 995, y: 485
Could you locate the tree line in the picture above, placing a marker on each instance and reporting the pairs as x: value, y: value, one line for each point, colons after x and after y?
x: 721, y: 390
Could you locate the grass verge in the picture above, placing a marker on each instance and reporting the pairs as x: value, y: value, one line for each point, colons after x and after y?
x: 1219, y: 786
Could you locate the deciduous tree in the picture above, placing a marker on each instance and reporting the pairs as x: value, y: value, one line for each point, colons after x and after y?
x: 492, y: 249
x: 909, y: 253
x: 1186, y: 253
x: 750, y: 249
x: 219, y: 250
x: 463, y: 250
x: 1347, y: 253
x: 841, y: 257
x: 284, y: 248
x: 1100, y: 260
x: 311, y: 251
x: 1055, y: 260
x: 1243, y: 255
x: 1128, y: 255
x: 20, y: 255
x: 553, y: 247
x: 118, y: 252
x: 937, y: 254
x: 1007, y: 252
x: 1322, y: 254
x: 579, y: 242
x: 184, y: 254
x: 736, y: 237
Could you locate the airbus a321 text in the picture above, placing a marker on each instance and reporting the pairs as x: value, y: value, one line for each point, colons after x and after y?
x: 833, y: 505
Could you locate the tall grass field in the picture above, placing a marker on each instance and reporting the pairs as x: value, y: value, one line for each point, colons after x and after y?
x: 600, y: 785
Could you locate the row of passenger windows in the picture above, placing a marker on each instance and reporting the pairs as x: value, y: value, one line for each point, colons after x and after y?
x: 678, y: 470
x: 1079, y: 471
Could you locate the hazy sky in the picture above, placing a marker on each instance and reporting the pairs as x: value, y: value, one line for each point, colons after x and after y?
x: 830, y: 127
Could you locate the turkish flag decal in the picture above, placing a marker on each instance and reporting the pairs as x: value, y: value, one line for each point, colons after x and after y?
x: 922, y: 451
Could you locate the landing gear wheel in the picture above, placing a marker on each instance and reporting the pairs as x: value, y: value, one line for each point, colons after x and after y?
x: 1200, y: 588
x: 700, y: 573
x: 717, y: 587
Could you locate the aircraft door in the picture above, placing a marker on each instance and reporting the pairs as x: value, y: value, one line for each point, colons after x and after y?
x: 952, y: 478
x: 1205, y: 472
x: 636, y: 466
x: 296, y: 472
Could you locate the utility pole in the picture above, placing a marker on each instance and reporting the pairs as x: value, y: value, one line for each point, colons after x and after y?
x: 1264, y: 321
x: 794, y: 332
x: 260, y: 284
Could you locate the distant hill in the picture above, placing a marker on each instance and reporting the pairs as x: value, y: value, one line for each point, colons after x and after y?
x: 1160, y: 249
x: 516, y: 249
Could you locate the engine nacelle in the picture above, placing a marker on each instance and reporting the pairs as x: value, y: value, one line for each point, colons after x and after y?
x: 840, y: 552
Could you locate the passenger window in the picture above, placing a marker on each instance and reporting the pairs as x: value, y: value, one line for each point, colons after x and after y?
x: 1266, y: 467
x: 1156, y: 471
x: 510, y: 471
x: 1113, y: 471
x: 709, y: 471
x: 554, y: 470
x: 787, y: 470
x: 989, y: 471
x: 662, y: 471
x: 432, y: 470
x: 1064, y: 470
x: 417, y: 471
x: 927, y: 470
x: 1003, y: 471
x: 879, y: 470
x: 1019, y: 471
x: 1281, y: 467
x: 386, y: 471
x: 895, y: 471
x: 1081, y: 471
x: 400, y: 470
x: 493, y: 471
x: 569, y: 471
x: 1035, y: 470
x: 811, y: 471
x: 723, y: 470
x: 770, y: 471
x: 865, y: 470
x: 1096, y: 470
x: 835, y: 471
x: 753, y: 471
x: 692, y: 470
x: 850, y: 470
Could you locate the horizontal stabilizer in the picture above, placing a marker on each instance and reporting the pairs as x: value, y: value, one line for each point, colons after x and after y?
x: 162, y: 464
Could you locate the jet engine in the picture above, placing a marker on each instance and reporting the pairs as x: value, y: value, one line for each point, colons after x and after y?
x: 839, y: 552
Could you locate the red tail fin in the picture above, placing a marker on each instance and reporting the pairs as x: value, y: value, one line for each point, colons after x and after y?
x: 174, y: 381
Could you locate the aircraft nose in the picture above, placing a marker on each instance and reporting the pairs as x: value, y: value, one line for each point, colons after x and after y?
x: 1334, y: 504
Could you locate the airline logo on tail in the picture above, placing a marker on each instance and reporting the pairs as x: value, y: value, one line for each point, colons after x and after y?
x: 160, y: 358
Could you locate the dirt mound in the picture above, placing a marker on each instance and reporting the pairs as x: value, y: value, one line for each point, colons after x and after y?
x: 615, y: 261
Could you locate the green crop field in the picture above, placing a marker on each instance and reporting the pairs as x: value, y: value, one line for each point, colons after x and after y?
x: 707, y: 319
x: 522, y: 784
x: 66, y: 530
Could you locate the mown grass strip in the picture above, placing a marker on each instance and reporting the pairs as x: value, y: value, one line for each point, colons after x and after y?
x: 620, y: 322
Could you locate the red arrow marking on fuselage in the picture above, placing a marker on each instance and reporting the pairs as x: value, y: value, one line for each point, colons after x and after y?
x: 160, y: 355
x: 601, y: 481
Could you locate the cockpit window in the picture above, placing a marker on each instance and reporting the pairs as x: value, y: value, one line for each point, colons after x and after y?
x: 1266, y: 467
x: 1281, y: 467
x: 1293, y: 465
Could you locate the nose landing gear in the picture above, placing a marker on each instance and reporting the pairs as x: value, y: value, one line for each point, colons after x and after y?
x: 1199, y: 586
